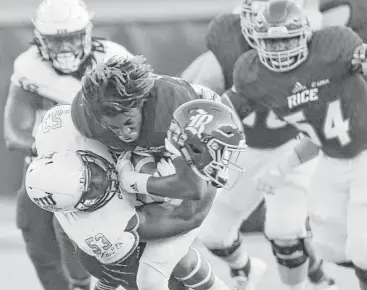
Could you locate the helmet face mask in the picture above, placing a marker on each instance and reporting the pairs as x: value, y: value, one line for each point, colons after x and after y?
x: 209, y: 136
x: 90, y: 202
x: 63, y: 33
x: 78, y: 180
x: 249, y: 11
x: 282, y: 44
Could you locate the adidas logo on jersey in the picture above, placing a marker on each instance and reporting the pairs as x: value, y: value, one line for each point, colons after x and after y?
x: 303, y: 97
x: 298, y: 87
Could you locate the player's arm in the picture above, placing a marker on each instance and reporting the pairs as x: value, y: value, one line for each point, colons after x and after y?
x: 184, y: 183
x: 206, y: 71
x: 19, y: 117
x: 158, y: 222
x: 179, y: 180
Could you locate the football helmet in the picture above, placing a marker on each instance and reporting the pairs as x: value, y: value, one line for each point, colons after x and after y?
x: 63, y: 33
x: 209, y: 136
x: 248, y: 13
x: 282, y: 33
x: 65, y: 181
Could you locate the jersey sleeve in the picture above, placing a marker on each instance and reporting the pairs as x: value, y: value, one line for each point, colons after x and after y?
x: 36, y: 75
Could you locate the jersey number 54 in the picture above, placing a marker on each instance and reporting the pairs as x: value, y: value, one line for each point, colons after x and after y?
x: 335, y: 126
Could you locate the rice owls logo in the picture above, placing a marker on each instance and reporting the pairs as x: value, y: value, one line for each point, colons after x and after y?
x: 198, y: 121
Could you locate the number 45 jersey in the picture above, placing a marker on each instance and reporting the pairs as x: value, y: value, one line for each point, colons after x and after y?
x: 323, y: 97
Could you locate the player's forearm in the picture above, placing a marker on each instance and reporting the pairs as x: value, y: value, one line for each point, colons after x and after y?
x: 173, y: 186
x: 158, y: 222
x: 19, y: 140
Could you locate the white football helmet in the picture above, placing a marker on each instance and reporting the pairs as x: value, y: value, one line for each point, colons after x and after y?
x: 63, y: 31
x: 65, y: 181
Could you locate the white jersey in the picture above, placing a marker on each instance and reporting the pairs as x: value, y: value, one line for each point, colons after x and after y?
x: 108, y: 233
x: 103, y: 233
x: 34, y: 74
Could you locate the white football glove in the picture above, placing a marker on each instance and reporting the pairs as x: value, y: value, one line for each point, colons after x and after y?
x: 130, y: 180
x: 124, y: 162
x: 165, y: 167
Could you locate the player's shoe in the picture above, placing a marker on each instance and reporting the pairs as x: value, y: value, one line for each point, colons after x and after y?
x: 327, y: 284
x: 249, y: 282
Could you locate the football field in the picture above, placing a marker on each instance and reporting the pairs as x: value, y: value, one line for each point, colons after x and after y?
x: 16, y: 271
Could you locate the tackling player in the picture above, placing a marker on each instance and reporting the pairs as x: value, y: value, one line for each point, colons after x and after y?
x: 49, y: 139
x: 316, y: 86
x: 268, y: 138
x: 49, y: 72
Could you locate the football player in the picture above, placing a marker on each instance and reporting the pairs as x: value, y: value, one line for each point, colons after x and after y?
x: 228, y: 37
x: 316, y: 85
x: 50, y: 139
x: 49, y: 72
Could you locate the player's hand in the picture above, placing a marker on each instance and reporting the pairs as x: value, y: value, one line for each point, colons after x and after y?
x: 165, y: 167
x: 359, y: 54
x: 124, y: 162
x: 359, y: 59
x: 269, y: 182
x: 186, y: 174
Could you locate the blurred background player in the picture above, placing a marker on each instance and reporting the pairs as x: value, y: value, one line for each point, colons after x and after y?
x: 67, y: 137
x: 228, y: 37
x: 48, y: 73
x: 328, y: 63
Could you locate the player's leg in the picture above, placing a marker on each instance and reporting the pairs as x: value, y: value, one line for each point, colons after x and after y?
x: 316, y: 272
x: 160, y: 258
x: 41, y: 244
x: 79, y: 278
x: 327, y: 208
x: 285, y: 227
x: 220, y: 232
x: 195, y: 273
x: 356, y: 248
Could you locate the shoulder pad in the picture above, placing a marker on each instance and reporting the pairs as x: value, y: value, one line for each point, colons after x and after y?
x: 34, y: 74
x: 334, y: 44
x: 57, y: 132
x: 358, y: 14
x: 246, y: 68
x: 114, y: 49
x: 224, y: 28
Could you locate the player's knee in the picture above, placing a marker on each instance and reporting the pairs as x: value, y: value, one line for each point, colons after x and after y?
x: 356, y: 251
x: 195, y: 273
x: 149, y: 278
x: 229, y: 251
x: 290, y: 253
